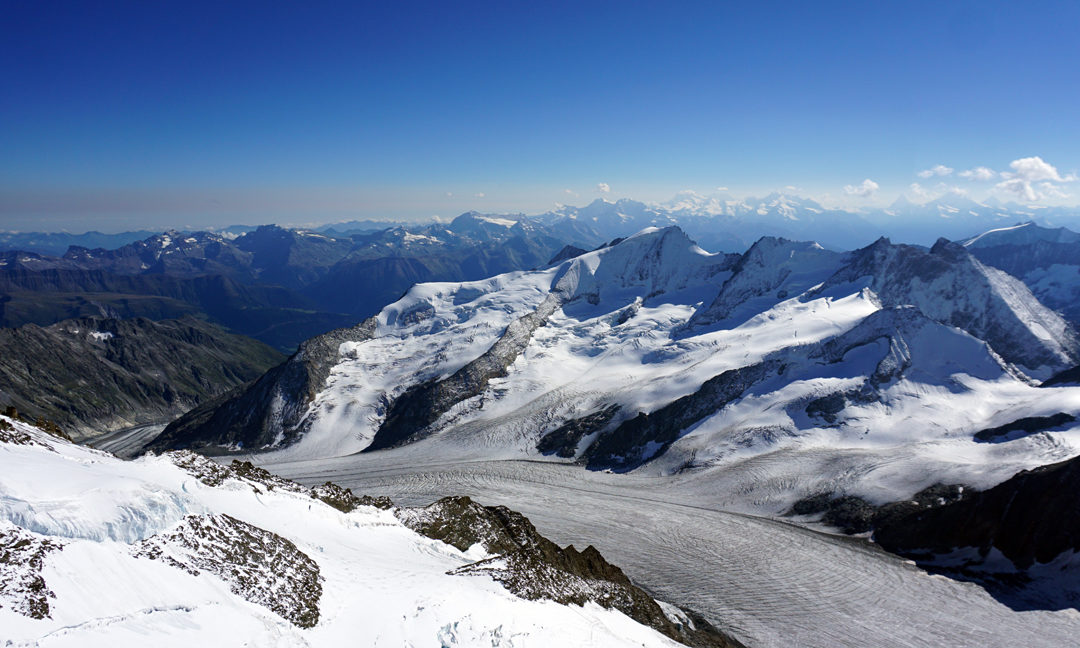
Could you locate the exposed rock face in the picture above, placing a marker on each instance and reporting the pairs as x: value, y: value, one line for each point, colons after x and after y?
x: 948, y: 285
x: 563, y: 440
x: 212, y: 473
x: 853, y: 514
x: 268, y: 412
x: 568, y: 252
x: 533, y: 567
x: 22, y: 587
x: 258, y: 565
x: 343, y: 499
x: 1023, y: 427
x: 92, y: 375
x: 1032, y: 517
x: 423, y: 404
x: 1069, y: 376
x: 635, y: 441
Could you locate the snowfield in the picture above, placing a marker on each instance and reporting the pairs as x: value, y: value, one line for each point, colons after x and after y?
x: 115, y: 578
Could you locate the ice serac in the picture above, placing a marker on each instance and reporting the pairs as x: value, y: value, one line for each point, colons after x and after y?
x: 269, y: 412
x: 951, y: 286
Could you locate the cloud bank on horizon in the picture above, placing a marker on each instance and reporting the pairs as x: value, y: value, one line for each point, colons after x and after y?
x: 1031, y: 179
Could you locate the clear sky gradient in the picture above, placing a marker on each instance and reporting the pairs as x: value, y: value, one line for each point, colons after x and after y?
x: 117, y: 114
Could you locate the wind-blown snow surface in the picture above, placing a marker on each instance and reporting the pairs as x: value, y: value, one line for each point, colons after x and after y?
x: 382, y: 584
x: 863, y: 382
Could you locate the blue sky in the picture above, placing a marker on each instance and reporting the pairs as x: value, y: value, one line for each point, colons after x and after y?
x: 118, y: 114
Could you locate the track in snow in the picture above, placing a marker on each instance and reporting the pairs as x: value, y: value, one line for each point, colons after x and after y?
x: 771, y: 583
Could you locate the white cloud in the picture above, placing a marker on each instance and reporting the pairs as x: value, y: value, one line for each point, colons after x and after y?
x: 1020, y: 188
x: 480, y: 194
x: 603, y: 187
x: 449, y: 194
x: 979, y: 174
x: 1028, y: 171
x: 1034, y: 169
x: 918, y: 191
x: 864, y: 190
x: 936, y: 170
x: 722, y: 189
x: 570, y: 192
x: 1053, y: 191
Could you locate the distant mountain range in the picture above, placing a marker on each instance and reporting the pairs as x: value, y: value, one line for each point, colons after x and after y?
x: 718, y: 222
x: 278, y: 285
x: 94, y: 375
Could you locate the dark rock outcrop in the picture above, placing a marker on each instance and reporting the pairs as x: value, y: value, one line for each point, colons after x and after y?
x: 637, y: 440
x: 563, y: 440
x: 1032, y: 517
x: 22, y: 588
x: 568, y: 252
x: 852, y: 514
x: 268, y: 412
x: 345, y: 501
x: 260, y: 566
x: 421, y: 405
x: 1024, y: 427
x: 92, y: 375
x: 532, y: 567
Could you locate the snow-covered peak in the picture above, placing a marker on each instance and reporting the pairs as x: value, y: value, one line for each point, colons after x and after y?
x: 772, y: 270
x: 657, y: 261
x: 950, y: 286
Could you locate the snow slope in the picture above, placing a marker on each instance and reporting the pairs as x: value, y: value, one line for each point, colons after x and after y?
x: 131, y: 551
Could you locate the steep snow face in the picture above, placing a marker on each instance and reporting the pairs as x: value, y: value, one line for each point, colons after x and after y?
x: 248, y: 565
x: 653, y: 262
x: 1045, y: 259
